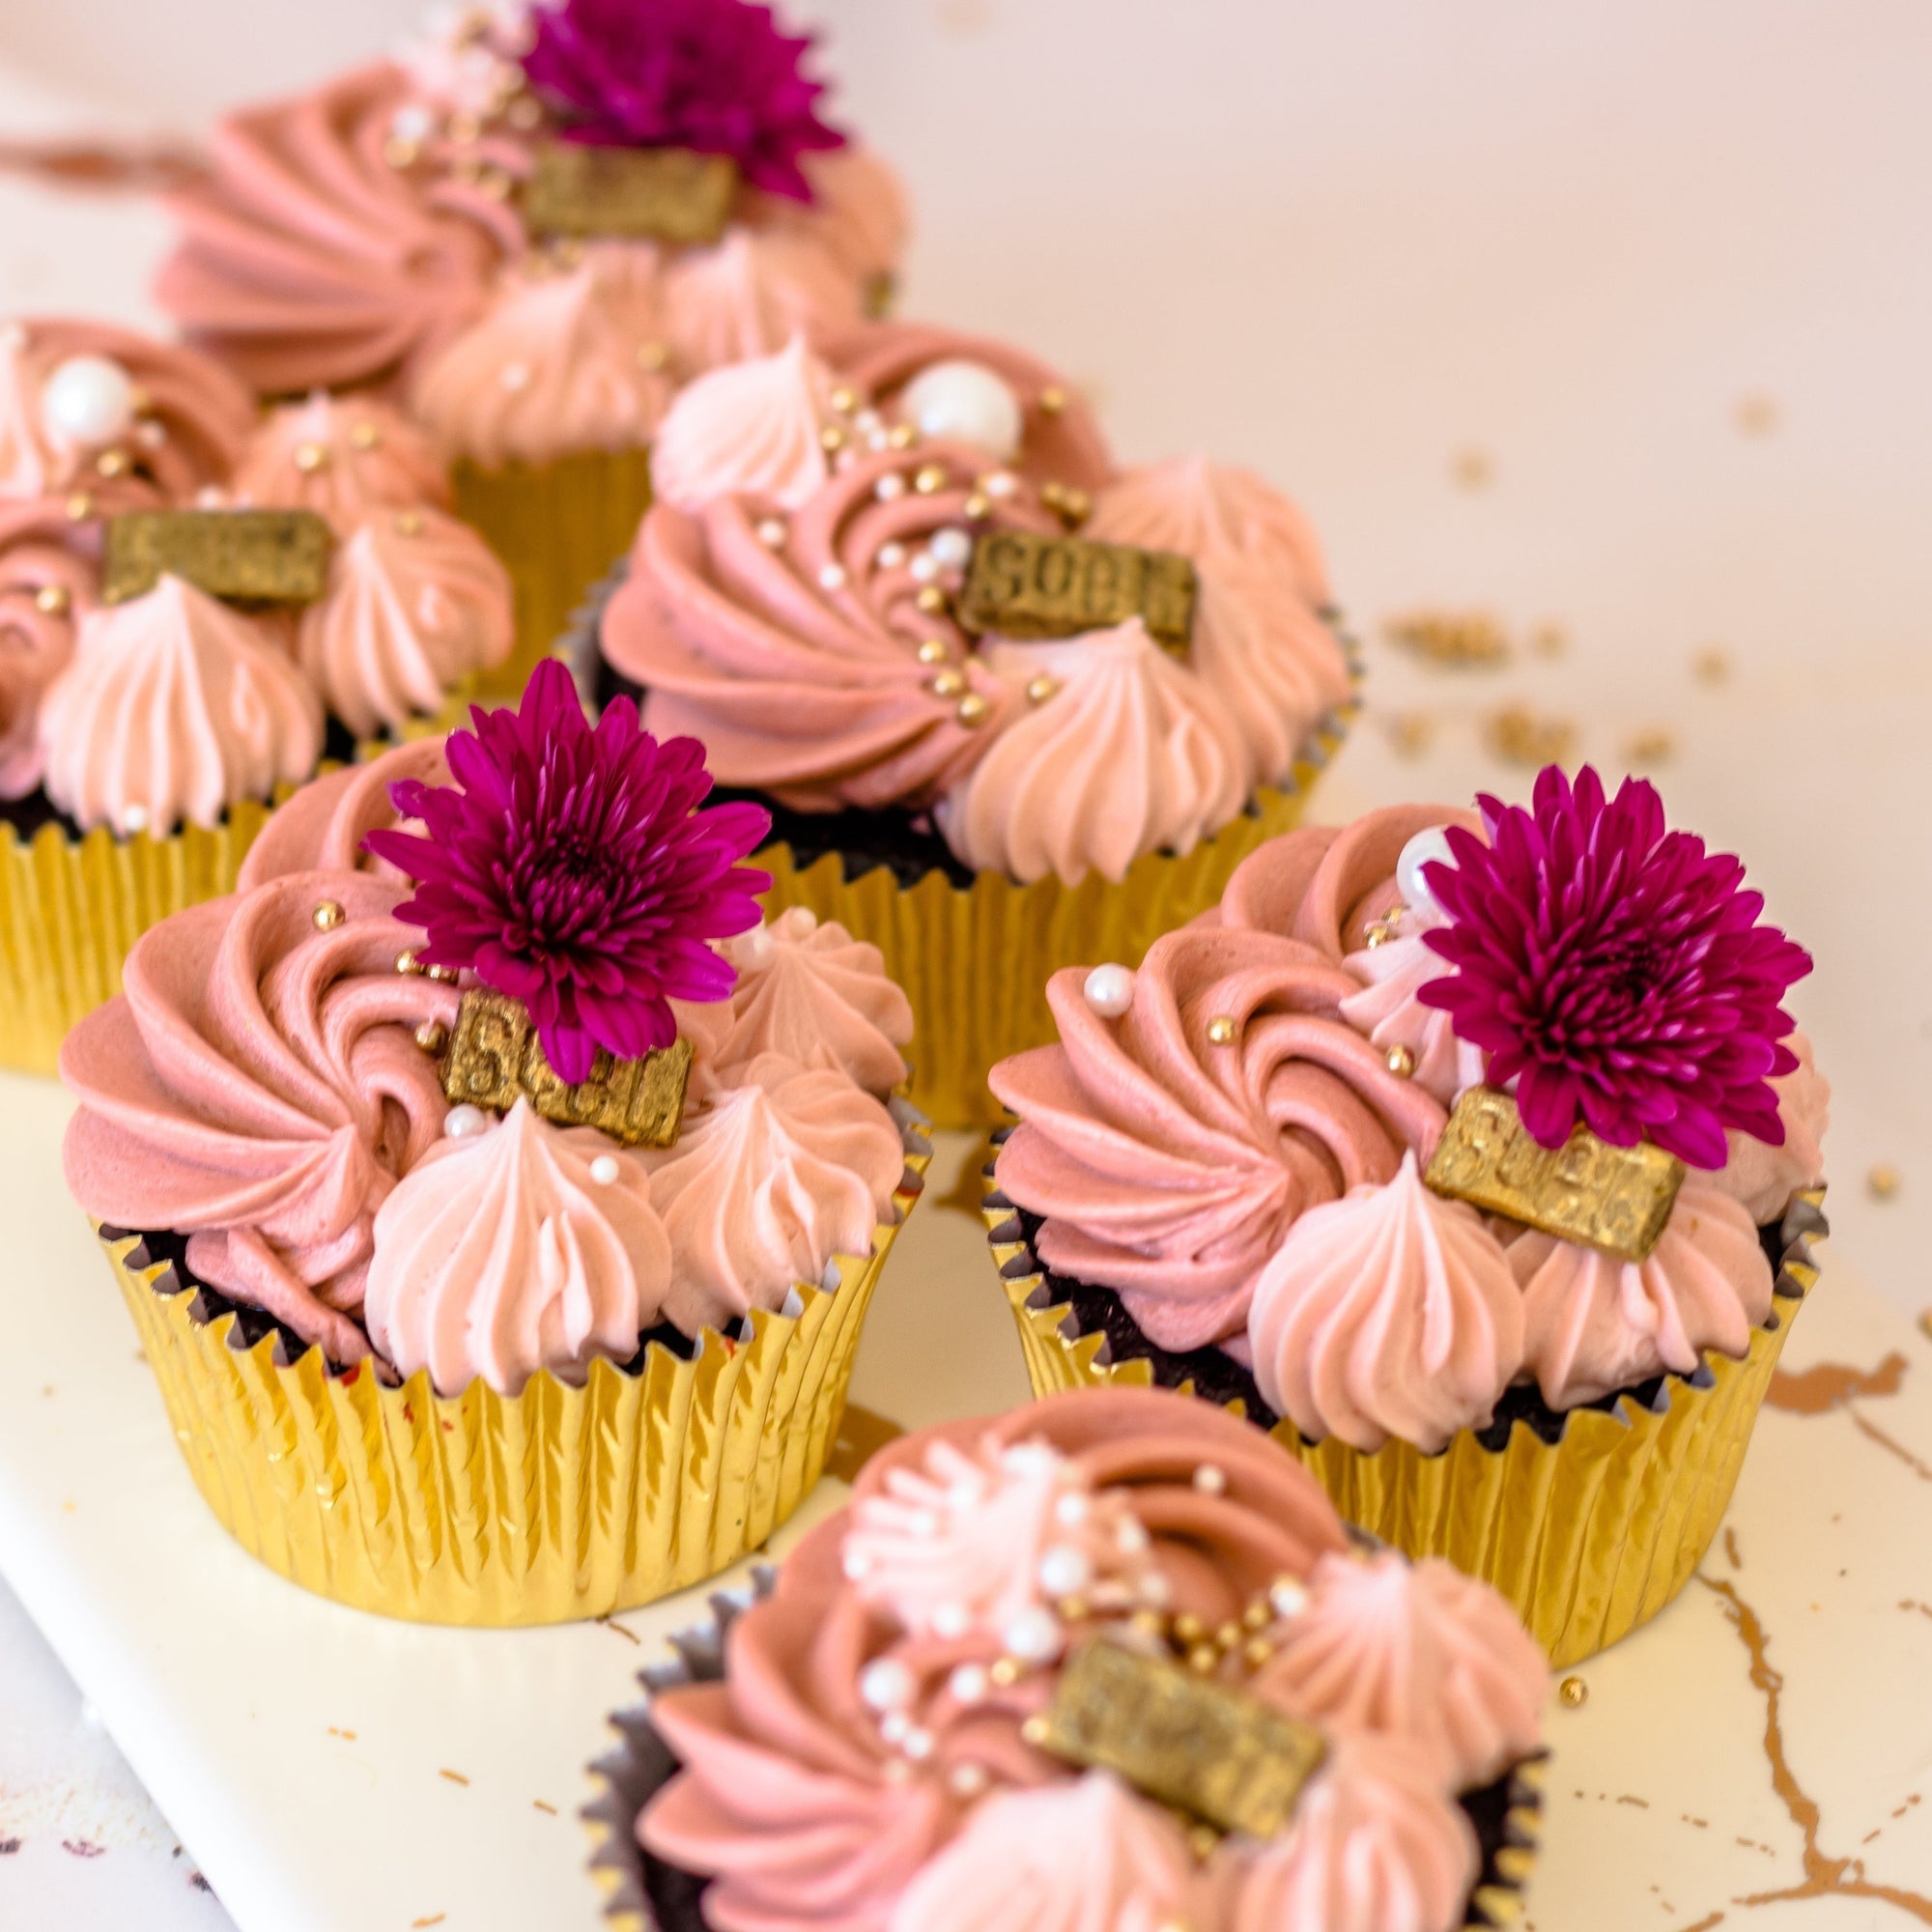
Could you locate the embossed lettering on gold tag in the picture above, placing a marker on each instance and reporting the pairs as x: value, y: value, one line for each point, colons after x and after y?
x: 1616, y: 1198
x: 1024, y: 586
x: 661, y: 194
x: 272, y: 556
x: 494, y: 1057
x: 1203, y: 1747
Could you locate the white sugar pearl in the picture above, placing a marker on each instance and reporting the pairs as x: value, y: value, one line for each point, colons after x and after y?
x: 1425, y: 849
x: 1109, y: 991
x: 888, y: 487
x: 1132, y: 1535
x: 466, y: 1123
x: 917, y: 1746
x: 1072, y: 1509
x: 968, y: 403
x: 604, y: 1170
x: 1157, y: 1592
x: 134, y: 818
x: 1210, y: 1480
x: 802, y: 921
x: 968, y: 1684
x: 413, y: 123
x: 1030, y: 1458
x: 1032, y: 1635
x: 515, y: 376
x: 88, y: 400
x: 755, y: 948
x: 832, y: 577
x: 894, y: 1726
x: 952, y: 549
x: 967, y: 1781
x: 1001, y: 483
x: 772, y: 534
x: 856, y: 1565
x: 1065, y: 1571
x: 887, y: 1684
x: 1288, y: 1597
x: 951, y: 1621
x: 892, y: 556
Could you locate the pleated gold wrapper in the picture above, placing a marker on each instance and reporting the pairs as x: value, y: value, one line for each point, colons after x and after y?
x: 487, y: 1510
x: 1587, y: 1537
x: 557, y: 528
x: 630, y: 1775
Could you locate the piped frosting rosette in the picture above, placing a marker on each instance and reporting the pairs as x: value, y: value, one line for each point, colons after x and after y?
x: 970, y: 787
x: 488, y: 1126
x: 1473, y: 1155
x: 895, y: 1736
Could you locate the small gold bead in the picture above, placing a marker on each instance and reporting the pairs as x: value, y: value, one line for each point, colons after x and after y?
x: 930, y: 599
x: 978, y: 506
x: 1202, y: 1840
x: 1039, y: 689
x: 311, y: 457
x: 1035, y: 1731
x: 930, y: 479
x: 948, y: 684
x: 52, y: 598
x: 1203, y: 1659
x: 443, y: 975
x: 844, y: 400
x: 139, y: 400
x: 409, y: 523
x: 1052, y: 401
x: 1222, y: 1030
x: 329, y: 915
x: 432, y: 1036
x: 1148, y: 1622
x: 79, y: 507
x: 1256, y: 1651
x: 1377, y: 934
x: 364, y: 435
x: 1078, y: 505
x: 1188, y: 1629
x: 1073, y: 1610
x: 652, y: 354
x: 971, y: 710
x: 1883, y: 1182
x: 1229, y: 1637
x: 901, y: 436
x: 832, y: 439
x: 1004, y: 1671
x: 934, y: 651
x: 1258, y: 1615
x: 407, y: 963
x: 400, y: 154
x: 1401, y: 1061
x: 1574, y: 1691
x: 112, y: 463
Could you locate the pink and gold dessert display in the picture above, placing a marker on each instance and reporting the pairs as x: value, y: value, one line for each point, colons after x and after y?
x: 500, y: 1241
x: 1112, y: 1662
x: 1473, y: 1154
x: 1005, y: 719
x: 530, y: 227
x: 197, y: 610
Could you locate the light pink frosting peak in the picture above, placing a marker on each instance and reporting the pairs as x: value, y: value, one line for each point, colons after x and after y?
x: 1764, y: 1177
x: 749, y: 295
x: 770, y: 1178
x: 1388, y: 1011
x: 342, y: 457
x: 258, y: 1087
x: 553, y: 364
x: 322, y: 827
x: 1375, y: 1846
x: 1130, y: 755
x: 175, y: 707
x: 1084, y: 1857
x: 810, y: 992
x: 1418, y: 1651
x: 415, y: 606
x: 40, y: 558
x: 1389, y: 1312
x: 1593, y: 1323
x: 1169, y: 1165
x: 523, y: 1247
x: 754, y: 426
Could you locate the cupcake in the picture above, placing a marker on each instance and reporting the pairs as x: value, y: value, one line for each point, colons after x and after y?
x: 174, y: 665
x: 987, y: 744
x: 1473, y: 1155
x: 531, y: 226
x: 496, y: 1198
x: 1109, y: 1661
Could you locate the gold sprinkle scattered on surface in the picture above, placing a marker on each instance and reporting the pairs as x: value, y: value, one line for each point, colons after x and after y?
x: 328, y: 916
x: 1410, y: 732
x: 549, y: 1810
x: 1574, y: 1691
x: 1656, y: 746
x: 1518, y: 736
x: 1712, y: 664
x: 1924, y: 1324
x: 435, y: 1919
x: 1549, y: 640
x: 1459, y: 639
x: 1883, y: 1182
x: 454, y: 1777
x: 1401, y: 1061
x: 1052, y: 401
x: 1756, y: 414
x: 1472, y: 469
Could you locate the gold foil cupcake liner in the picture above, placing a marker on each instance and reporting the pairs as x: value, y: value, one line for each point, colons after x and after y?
x: 556, y: 526
x: 1587, y: 1537
x: 487, y: 1509
x: 636, y: 1768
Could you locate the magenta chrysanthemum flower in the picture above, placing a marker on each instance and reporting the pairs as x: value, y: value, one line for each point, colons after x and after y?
x: 1614, y: 970
x: 571, y: 869
x: 717, y: 75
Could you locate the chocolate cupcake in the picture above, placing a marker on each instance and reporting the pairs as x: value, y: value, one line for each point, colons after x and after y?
x: 1109, y: 1661
x: 1473, y: 1156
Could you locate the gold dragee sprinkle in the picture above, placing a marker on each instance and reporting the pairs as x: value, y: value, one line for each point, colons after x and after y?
x: 1518, y: 736
x: 1574, y: 1691
x: 1461, y: 639
x: 1472, y: 469
x: 1410, y: 732
x: 1757, y: 414
x: 1656, y: 746
x: 1712, y: 664
x: 1883, y: 1182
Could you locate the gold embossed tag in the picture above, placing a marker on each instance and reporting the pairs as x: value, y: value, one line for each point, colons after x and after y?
x: 1024, y: 586
x: 1203, y: 1747
x: 660, y: 194
x: 494, y: 1057
x: 1616, y: 1198
x: 269, y: 556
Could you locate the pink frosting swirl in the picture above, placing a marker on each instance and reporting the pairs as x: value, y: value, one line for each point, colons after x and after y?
x: 45, y: 584
x: 770, y: 1179
x: 750, y: 295
x: 1389, y: 1312
x: 1375, y: 1846
x: 1168, y: 1164
x: 1593, y: 1325
x: 307, y: 261
x: 258, y: 1087
x: 175, y: 706
x: 858, y: 213
x: 1419, y: 1652
x: 1129, y: 755
x: 521, y: 1247
x: 186, y: 421
x: 342, y: 457
x: 553, y: 365
x: 320, y: 829
x: 754, y: 426
x: 415, y: 606
x: 812, y: 993
x: 1764, y: 1177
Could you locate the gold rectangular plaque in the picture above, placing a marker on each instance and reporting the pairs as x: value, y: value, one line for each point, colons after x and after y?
x: 272, y: 556
x: 1203, y: 1747
x: 1616, y: 1198
x: 494, y: 1057
x: 662, y: 194
x: 1023, y: 585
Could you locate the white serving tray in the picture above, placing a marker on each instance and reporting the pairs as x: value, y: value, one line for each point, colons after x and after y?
x: 305, y: 1752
